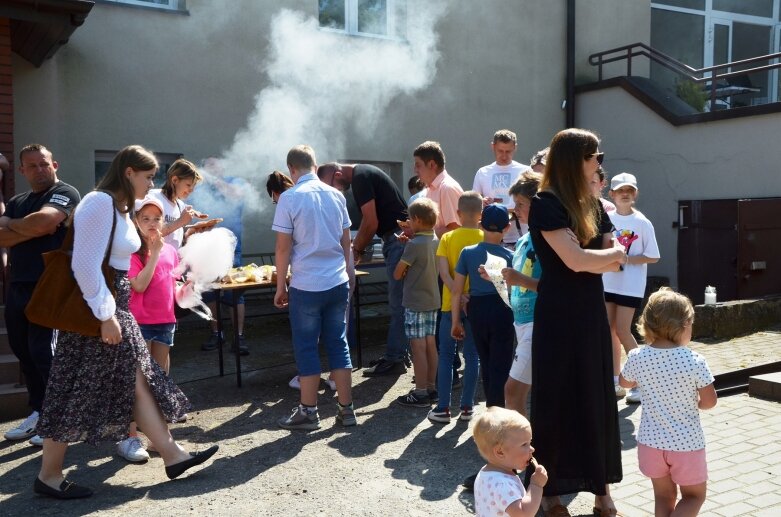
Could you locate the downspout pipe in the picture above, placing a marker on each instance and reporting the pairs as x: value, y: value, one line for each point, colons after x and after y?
x: 570, y: 87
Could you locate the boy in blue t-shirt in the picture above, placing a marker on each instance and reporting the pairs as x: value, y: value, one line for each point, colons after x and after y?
x: 490, y: 318
x: 522, y: 279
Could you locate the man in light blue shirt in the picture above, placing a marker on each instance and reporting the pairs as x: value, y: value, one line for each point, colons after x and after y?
x: 313, y: 237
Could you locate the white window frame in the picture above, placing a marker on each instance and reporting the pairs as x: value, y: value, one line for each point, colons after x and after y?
x: 172, y: 5
x: 351, y: 21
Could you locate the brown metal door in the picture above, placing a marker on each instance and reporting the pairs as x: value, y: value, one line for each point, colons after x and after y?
x: 759, y: 247
x: 707, y: 248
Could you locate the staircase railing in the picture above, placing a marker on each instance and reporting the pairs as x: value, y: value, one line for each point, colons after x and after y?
x: 697, y: 75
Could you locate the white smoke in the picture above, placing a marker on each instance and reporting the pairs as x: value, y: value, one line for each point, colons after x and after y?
x: 325, y: 87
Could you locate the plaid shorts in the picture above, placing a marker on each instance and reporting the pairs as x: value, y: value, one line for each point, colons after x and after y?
x: 419, y: 324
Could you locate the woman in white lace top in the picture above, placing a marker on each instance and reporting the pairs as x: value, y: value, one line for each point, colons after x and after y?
x: 98, y: 385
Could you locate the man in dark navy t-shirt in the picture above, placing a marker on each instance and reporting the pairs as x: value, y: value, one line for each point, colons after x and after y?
x: 33, y: 224
x: 381, y: 204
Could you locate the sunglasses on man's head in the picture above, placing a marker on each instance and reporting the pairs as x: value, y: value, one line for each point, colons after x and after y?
x: 600, y: 157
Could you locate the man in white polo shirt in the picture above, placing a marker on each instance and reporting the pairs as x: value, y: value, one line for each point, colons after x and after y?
x: 313, y: 237
x: 494, y: 180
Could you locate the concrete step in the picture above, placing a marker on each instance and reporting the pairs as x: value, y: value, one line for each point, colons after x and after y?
x: 13, y: 402
x: 9, y: 368
x: 767, y: 386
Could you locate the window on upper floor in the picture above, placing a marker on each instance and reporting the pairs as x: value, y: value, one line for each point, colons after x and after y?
x: 171, y: 5
x: 164, y: 160
x: 377, y: 18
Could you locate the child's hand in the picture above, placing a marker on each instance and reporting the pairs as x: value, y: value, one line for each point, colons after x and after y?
x: 483, y: 273
x: 540, y: 476
x: 457, y: 331
x: 156, y: 241
x: 187, y: 215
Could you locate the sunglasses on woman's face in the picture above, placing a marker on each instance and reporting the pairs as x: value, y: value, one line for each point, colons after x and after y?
x: 600, y: 157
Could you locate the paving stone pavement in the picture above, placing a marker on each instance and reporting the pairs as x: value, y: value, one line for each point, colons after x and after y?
x: 394, y: 463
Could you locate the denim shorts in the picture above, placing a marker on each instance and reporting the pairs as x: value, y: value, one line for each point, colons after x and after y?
x: 419, y: 324
x: 319, y: 317
x: 160, y: 332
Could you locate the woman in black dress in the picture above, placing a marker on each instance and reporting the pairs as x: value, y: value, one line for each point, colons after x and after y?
x: 573, y: 406
x: 97, y: 385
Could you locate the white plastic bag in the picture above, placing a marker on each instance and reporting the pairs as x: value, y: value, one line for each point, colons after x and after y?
x: 493, y: 266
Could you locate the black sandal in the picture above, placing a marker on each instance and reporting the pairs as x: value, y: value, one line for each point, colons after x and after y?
x: 67, y: 490
x: 177, y: 469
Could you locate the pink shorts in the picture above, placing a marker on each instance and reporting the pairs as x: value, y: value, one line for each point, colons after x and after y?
x: 685, y: 468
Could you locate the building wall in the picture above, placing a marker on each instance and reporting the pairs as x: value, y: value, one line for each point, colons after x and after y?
x: 607, y: 24
x: 727, y: 159
x: 186, y: 83
x: 6, y: 103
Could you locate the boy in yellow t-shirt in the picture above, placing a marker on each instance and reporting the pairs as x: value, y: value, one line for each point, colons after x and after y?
x: 470, y: 206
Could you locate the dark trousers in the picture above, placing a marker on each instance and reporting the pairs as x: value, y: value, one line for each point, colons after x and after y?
x: 494, y: 335
x: 32, y: 344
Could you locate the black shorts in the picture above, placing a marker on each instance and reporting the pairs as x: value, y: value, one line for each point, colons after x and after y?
x: 623, y: 300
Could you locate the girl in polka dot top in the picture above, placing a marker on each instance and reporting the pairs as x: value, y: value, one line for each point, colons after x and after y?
x: 503, y: 438
x: 675, y: 383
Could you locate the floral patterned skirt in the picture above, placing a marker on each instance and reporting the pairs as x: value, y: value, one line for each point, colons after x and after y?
x: 91, y: 390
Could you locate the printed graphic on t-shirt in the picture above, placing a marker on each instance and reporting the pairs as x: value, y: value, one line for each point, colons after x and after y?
x: 626, y: 238
x: 500, y: 181
x: 528, y: 266
x: 60, y: 199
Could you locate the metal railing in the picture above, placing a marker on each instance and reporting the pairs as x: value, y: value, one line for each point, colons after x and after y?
x: 705, y: 75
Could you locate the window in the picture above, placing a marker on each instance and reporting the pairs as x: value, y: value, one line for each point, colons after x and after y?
x: 378, y: 18
x: 103, y: 161
x: 171, y: 5
x: 762, y: 8
x: 689, y: 4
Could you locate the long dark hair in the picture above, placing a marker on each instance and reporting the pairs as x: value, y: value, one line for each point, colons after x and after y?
x: 564, y: 176
x: 116, y: 181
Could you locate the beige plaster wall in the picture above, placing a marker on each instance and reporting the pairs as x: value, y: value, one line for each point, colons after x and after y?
x: 606, y: 24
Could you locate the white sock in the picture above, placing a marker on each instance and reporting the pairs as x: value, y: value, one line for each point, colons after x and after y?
x: 615, y: 380
x: 308, y: 409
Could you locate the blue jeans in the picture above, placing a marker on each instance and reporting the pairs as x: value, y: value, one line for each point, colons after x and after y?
x: 448, y: 348
x: 319, y: 316
x: 397, y: 345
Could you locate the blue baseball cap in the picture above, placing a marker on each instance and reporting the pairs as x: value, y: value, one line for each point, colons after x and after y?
x: 495, y: 218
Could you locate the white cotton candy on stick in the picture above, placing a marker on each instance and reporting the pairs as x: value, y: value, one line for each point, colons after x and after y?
x: 207, y: 257
x: 493, y: 266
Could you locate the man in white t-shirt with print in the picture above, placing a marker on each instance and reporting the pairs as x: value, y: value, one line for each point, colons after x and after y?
x: 493, y: 181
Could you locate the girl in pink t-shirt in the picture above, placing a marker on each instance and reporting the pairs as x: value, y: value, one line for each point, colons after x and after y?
x: 153, y: 285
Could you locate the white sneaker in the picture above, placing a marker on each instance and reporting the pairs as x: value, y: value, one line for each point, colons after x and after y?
x: 331, y: 384
x: 633, y: 397
x: 620, y: 392
x: 37, y: 441
x: 132, y: 449
x: 24, y: 430
x: 295, y: 383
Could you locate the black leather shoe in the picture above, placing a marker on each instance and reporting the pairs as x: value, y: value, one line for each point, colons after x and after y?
x: 384, y: 367
x: 67, y: 490
x: 177, y: 469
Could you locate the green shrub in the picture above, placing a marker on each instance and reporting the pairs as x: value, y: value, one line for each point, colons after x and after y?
x: 691, y: 93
